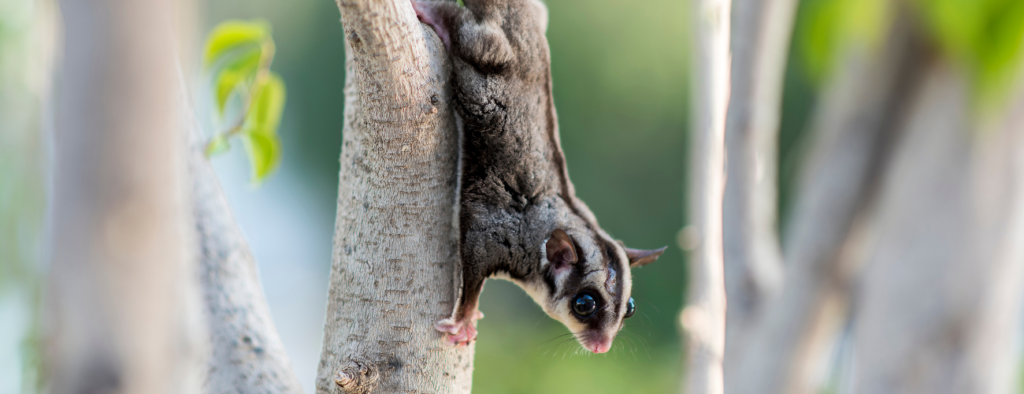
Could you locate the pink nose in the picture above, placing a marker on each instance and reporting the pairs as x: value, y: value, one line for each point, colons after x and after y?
x: 600, y: 346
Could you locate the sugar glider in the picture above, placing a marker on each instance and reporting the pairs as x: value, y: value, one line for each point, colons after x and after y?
x: 519, y: 217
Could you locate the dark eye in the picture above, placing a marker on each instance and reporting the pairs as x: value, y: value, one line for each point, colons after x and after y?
x: 584, y: 305
x: 630, y: 308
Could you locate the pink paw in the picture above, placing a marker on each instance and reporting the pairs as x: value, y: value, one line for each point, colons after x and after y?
x: 459, y: 332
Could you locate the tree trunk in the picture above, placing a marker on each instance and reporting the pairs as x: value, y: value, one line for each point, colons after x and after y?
x: 753, y: 266
x: 247, y: 355
x: 122, y: 303
x: 753, y: 262
x: 940, y: 302
x: 703, y: 317
x: 853, y: 130
x: 395, y: 245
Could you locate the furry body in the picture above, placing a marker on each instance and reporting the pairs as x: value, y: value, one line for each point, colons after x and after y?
x: 519, y: 217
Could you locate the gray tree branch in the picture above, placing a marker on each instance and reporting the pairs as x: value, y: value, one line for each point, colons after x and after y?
x: 395, y: 247
x: 753, y: 267
x: 246, y: 353
x: 703, y: 317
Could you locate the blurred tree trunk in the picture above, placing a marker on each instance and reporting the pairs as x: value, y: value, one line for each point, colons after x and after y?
x: 395, y: 246
x: 703, y: 317
x: 852, y: 133
x: 123, y: 309
x: 247, y: 355
x: 753, y: 263
x: 941, y: 299
x: 909, y: 189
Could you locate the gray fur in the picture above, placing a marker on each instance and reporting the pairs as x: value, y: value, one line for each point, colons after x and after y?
x: 515, y: 186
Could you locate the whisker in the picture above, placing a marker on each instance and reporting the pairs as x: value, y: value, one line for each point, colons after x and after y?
x: 537, y: 323
x: 570, y: 341
x: 627, y: 345
x: 651, y: 305
x: 554, y: 338
x: 648, y: 317
x: 639, y: 340
x: 561, y: 339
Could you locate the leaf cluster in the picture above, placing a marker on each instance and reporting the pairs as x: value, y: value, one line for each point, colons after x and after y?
x: 249, y: 98
x: 826, y: 25
x: 986, y: 37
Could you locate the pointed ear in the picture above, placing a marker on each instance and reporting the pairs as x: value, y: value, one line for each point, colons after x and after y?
x: 560, y: 250
x: 640, y: 257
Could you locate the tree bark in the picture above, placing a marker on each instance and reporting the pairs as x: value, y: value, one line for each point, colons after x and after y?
x: 122, y: 307
x: 939, y: 308
x: 246, y: 353
x: 703, y: 317
x: 395, y: 245
x: 853, y: 129
x: 753, y: 262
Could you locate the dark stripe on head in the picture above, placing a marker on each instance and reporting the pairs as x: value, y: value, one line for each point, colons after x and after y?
x: 575, y: 280
x: 603, y: 315
x: 549, y: 278
x: 613, y: 262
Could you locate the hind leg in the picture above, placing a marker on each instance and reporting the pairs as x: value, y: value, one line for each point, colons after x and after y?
x: 461, y: 327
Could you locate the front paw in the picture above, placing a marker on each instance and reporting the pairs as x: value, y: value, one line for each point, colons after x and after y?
x: 458, y: 332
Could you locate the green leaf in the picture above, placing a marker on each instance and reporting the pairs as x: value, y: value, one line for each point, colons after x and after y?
x: 260, y: 136
x: 825, y: 27
x: 232, y: 34
x: 264, y: 150
x: 240, y: 53
x: 245, y: 62
x: 218, y: 144
x: 987, y: 36
x: 818, y: 37
x: 235, y: 74
x: 999, y: 49
x: 227, y: 83
x: 268, y: 106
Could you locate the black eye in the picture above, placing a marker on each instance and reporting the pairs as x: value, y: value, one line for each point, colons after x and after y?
x: 584, y: 305
x: 630, y: 308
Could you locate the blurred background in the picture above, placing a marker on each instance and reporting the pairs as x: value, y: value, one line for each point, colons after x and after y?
x: 620, y: 85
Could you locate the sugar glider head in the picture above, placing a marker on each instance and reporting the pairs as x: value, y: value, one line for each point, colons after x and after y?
x: 588, y: 283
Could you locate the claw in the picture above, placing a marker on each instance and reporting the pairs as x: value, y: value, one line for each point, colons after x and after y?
x: 459, y: 332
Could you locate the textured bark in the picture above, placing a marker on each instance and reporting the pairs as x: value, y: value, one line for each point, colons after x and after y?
x: 753, y: 267
x: 122, y: 303
x: 247, y: 355
x: 853, y: 131
x: 703, y: 317
x: 394, y: 246
x: 939, y: 311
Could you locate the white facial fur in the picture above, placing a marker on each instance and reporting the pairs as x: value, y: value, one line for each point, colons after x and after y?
x: 596, y: 279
